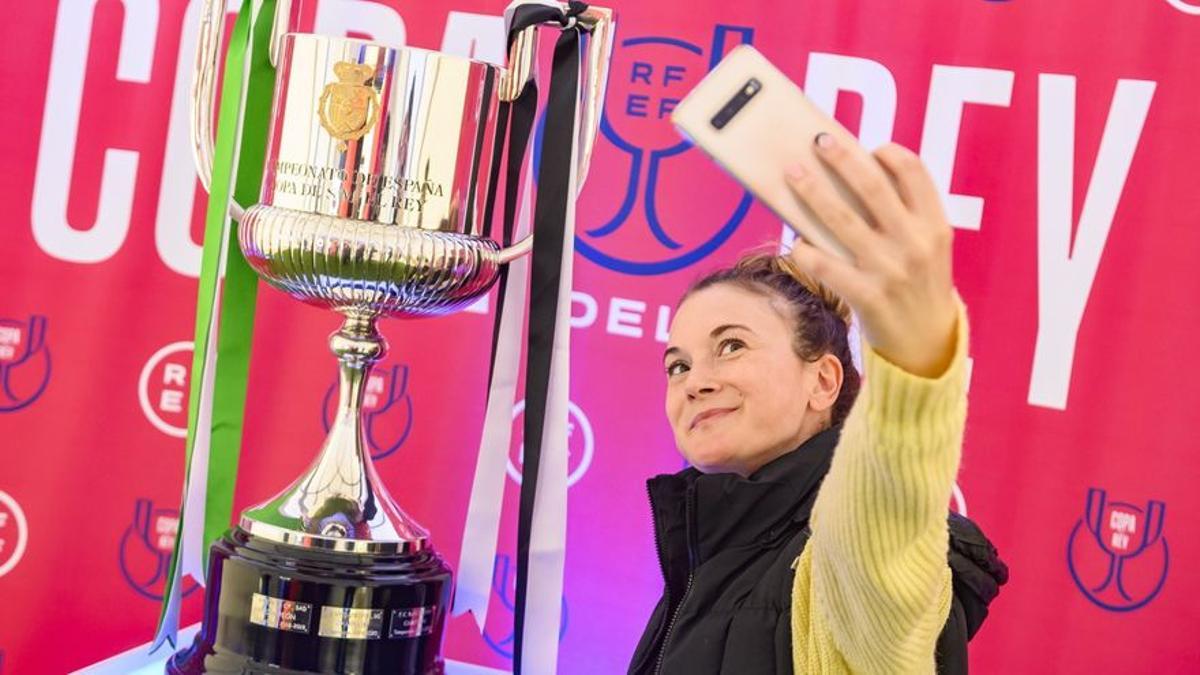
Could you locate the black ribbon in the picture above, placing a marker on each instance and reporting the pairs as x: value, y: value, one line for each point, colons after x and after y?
x: 514, y: 119
x: 550, y: 211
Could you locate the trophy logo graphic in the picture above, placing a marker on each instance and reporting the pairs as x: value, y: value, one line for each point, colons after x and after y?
x: 145, y: 550
x: 1117, y: 553
x: 349, y: 106
x: 24, y: 362
x: 502, y: 640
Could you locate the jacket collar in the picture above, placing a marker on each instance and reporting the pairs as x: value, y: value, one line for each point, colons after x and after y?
x: 716, y: 512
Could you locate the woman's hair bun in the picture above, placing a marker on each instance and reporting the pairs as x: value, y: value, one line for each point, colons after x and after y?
x: 761, y: 265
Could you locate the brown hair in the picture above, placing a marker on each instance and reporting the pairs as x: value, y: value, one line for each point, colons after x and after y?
x: 821, y: 317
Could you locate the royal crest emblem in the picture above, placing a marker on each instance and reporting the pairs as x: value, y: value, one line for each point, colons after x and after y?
x: 349, y: 106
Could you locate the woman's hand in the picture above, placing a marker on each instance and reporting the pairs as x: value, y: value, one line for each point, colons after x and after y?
x: 900, y: 283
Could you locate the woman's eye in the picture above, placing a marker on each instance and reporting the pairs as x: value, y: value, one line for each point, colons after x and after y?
x: 730, y: 345
x: 675, y: 368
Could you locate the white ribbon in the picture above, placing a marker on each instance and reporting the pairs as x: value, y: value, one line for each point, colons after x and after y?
x: 480, y: 533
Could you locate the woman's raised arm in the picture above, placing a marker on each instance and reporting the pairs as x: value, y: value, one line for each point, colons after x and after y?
x: 872, y: 588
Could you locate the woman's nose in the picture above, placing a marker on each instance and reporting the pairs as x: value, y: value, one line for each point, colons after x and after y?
x: 702, y: 381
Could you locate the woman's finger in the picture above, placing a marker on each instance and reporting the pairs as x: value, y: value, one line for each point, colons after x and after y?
x: 844, y: 278
x: 815, y: 190
x: 865, y: 177
x: 912, y: 180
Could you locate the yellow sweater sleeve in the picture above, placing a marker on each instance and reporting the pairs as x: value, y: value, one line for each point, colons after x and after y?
x: 872, y: 587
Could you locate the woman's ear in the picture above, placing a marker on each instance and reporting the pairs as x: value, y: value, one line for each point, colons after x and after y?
x: 827, y: 384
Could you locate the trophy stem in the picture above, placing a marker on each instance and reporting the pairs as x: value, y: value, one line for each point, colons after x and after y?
x: 357, y: 345
x: 340, y: 503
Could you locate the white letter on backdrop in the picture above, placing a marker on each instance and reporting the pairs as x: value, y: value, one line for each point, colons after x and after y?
x: 662, y: 331
x: 476, y: 36
x: 1066, y: 272
x: 625, y: 317
x: 342, y: 17
x: 950, y: 89
x: 590, y: 309
x: 60, y: 131
x: 830, y: 73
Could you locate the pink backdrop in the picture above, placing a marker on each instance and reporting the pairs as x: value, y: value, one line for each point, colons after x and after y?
x: 1063, y: 133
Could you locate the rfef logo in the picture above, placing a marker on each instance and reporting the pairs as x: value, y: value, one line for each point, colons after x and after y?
x: 1117, y: 553
x: 581, y: 444
x: 145, y: 550
x: 387, y: 409
x: 1185, y: 6
x: 504, y: 586
x: 14, y: 533
x: 163, y: 388
x: 648, y: 173
x: 24, y: 362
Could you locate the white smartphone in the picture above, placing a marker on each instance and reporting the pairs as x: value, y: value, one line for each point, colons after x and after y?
x: 755, y: 122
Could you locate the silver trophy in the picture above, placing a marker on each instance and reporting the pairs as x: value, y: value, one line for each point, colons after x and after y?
x: 378, y: 165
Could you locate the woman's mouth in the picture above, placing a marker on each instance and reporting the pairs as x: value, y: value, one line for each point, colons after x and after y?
x: 710, y: 414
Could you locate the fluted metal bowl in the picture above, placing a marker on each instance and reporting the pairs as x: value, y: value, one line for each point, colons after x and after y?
x: 344, y: 264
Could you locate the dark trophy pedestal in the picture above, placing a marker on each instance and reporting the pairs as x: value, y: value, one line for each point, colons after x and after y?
x: 274, y: 608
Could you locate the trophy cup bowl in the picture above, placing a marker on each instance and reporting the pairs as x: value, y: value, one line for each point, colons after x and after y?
x: 378, y: 167
x: 375, y: 179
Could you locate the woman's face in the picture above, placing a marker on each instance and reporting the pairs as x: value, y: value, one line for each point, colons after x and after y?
x: 738, y: 394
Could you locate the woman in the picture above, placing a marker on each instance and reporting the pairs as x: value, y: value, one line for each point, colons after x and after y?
x: 764, y: 572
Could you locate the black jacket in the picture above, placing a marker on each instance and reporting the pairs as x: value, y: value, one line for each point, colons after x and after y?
x: 726, y: 545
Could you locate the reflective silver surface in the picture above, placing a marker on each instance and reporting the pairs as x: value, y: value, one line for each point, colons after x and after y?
x: 377, y: 167
x: 340, y: 503
x: 399, y: 136
x: 364, y: 267
x: 371, y: 205
x: 204, y: 81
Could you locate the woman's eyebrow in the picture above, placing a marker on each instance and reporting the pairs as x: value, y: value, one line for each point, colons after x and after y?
x: 728, y: 326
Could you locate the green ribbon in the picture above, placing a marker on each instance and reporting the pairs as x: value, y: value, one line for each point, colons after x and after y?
x: 242, y: 125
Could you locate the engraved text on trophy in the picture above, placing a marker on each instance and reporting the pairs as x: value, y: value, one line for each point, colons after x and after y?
x: 332, y: 186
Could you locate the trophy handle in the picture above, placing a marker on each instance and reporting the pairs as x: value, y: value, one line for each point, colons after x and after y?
x: 599, y: 24
x: 601, y: 30
x: 204, y: 82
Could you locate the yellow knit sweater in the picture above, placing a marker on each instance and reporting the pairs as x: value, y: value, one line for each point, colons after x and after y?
x: 872, y: 587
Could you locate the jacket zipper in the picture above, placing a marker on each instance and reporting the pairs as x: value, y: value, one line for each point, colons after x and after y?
x: 662, y: 651
x: 658, y: 547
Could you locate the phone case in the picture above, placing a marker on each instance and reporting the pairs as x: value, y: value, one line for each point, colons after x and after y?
x: 773, y: 130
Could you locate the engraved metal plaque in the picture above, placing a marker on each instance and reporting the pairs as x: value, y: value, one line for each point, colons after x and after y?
x: 280, y: 614
x: 412, y: 622
x: 351, y: 623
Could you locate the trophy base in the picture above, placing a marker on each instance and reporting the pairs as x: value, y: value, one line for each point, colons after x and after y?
x: 275, y: 608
